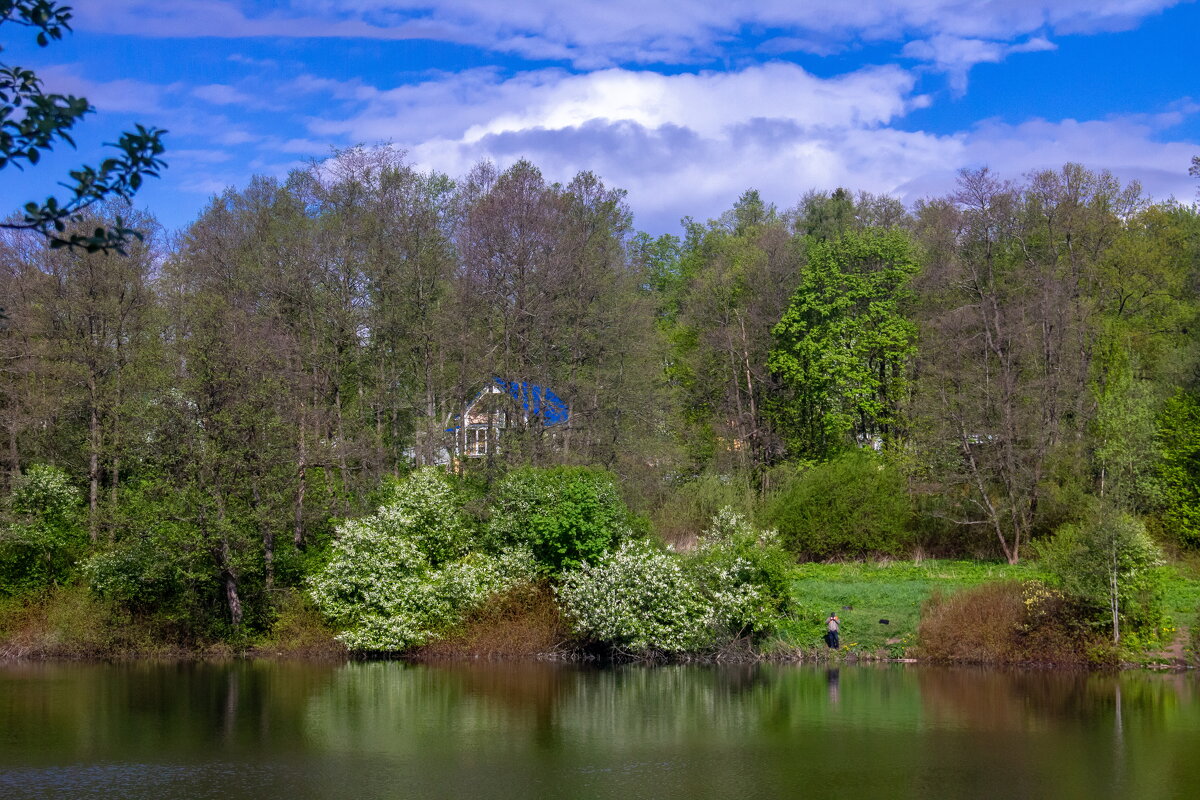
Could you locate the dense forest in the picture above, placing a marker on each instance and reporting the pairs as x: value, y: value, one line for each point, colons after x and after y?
x: 184, y: 426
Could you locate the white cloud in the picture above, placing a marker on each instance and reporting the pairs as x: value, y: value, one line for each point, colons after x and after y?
x: 690, y: 144
x: 956, y: 56
x: 475, y: 104
x: 123, y: 95
x: 592, y: 35
x: 1130, y: 146
x: 223, y: 94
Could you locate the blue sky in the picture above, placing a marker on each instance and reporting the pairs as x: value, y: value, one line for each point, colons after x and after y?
x: 683, y: 104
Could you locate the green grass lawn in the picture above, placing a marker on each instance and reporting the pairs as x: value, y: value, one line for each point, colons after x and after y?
x: 1182, y: 596
x: 863, y: 593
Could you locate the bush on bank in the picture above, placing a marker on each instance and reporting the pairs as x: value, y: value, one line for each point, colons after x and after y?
x: 563, y: 515
x: 856, y: 505
x: 400, y: 577
x: 1009, y: 622
x: 44, y: 532
x: 1112, y: 568
x: 643, y: 600
x: 408, y: 575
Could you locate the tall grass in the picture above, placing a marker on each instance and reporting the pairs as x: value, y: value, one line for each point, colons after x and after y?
x: 521, y: 623
x: 69, y: 622
x: 1009, y: 623
x: 299, y: 631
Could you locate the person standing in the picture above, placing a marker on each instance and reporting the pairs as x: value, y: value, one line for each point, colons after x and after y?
x: 832, y: 627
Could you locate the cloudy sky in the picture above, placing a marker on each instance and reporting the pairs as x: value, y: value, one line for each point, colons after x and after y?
x: 684, y: 103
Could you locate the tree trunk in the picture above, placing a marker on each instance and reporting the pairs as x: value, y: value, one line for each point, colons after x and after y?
x: 343, y: 469
x: 301, y: 488
x: 230, y: 580
x: 93, y: 459
x: 225, y: 562
x: 1114, y: 600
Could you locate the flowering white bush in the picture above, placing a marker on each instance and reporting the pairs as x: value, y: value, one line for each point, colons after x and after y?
x: 45, y: 492
x: 645, y: 600
x: 638, y: 598
x: 400, y: 577
x: 744, y: 572
x: 728, y: 524
x: 424, y: 508
x: 44, y: 533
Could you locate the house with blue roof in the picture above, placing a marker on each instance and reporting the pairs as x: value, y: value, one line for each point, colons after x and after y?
x: 499, y: 406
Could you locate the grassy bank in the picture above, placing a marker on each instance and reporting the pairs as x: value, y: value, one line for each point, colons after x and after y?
x: 70, y: 623
x: 863, y: 593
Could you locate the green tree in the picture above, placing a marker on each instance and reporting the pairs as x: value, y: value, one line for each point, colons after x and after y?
x: 843, y: 345
x: 733, y: 280
x: 42, y: 539
x: 854, y: 505
x: 1179, y: 470
x: 33, y: 121
x: 1109, y: 560
x: 1125, y: 452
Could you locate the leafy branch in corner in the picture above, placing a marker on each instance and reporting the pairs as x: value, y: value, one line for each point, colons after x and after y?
x: 32, y: 121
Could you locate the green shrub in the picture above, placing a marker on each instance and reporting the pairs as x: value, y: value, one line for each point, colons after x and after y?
x: 138, y: 573
x: 160, y: 565
x: 638, y: 599
x: 1111, y: 564
x: 564, y: 515
x: 45, y: 535
x: 855, y: 505
x: 643, y: 600
x: 399, y: 578
x: 745, y: 574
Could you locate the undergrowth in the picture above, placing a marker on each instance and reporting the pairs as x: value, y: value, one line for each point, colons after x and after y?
x: 522, y: 622
x: 1010, y: 622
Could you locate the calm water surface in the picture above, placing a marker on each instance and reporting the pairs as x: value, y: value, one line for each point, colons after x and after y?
x: 391, y: 730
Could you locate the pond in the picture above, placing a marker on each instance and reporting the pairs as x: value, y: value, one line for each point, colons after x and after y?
x: 393, y: 730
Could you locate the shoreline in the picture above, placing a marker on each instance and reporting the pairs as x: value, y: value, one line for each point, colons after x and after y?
x: 797, y: 658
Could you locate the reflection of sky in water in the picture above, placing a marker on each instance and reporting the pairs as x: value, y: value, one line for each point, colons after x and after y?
x: 392, y: 730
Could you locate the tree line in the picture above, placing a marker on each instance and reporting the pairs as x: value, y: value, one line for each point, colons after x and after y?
x: 219, y: 398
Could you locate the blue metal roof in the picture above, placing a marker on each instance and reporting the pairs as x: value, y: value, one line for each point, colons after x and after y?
x: 538, y: 402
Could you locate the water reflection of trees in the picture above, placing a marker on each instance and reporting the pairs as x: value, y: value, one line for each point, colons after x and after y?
x: 144, y: 708
x: 1090, y: 734
x: 1016, y: 699
x: 628, y: 704
x: 490, y: 729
